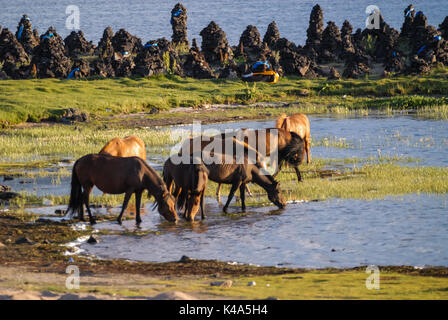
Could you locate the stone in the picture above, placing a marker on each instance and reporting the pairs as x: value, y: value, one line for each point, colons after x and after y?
x: 74, y: 115
x: 4, y: 188
x: 443, y: 28
x: 26, y: 36
x: 8, y: 195
x: 24, y: 240
x: 331, y: 43
x: 251, y: 283
x: 222, y: 284
x: 92, y: 240
x: 123, y: 42
x: 49, y: 57
x: 196, y: 66
x: 12, y: 55
x: 185, y: 259
x: 249, y: 46
x: 179, y: 25
x: 272, y: 35
x: 315, y: 28
x: 76, y: 44
x: 215, y: 47
x: 105, y: 48
x: 334, y: 74
x: 174, y: 295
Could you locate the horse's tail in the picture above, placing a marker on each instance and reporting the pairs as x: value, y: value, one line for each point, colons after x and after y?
x: 282, y: 122
x: 76, y: 199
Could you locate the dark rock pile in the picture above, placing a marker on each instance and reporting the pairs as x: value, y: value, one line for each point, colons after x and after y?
x: 179, y: 25
x: 74, y: 115
x: 250, y: 44
x: 124, y: 42
x: 12, y: 56
x: 315, y: 29
x: 49, y: 57
x: 272, y: 35
x: 196, y: 66
x: 26, y: 36
x: 443, y: 28
x: 331, y: 43
x: 157, y: 57
x: 348, y: 49
x: 215, y: 47
x: 291, y: 61
x: 76, y: 44
x: 105, y: 48
x: 415, y: 50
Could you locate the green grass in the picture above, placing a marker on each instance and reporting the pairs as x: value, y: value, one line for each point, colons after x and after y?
x: 34, y: 100
x: 55, y: 142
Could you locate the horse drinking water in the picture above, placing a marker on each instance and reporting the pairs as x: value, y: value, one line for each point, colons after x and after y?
x: 116, y: 175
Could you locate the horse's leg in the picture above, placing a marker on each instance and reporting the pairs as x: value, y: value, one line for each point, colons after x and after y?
x: 243, y: 196
x: 138, y: 200
x: 127, y: 196
x: 299, y: 176
x: 202, y: 206
x: 86, y: 195
x: 218, y: 193
x: 308, y: 155
x: 248, y: 191
x: 231, y: 194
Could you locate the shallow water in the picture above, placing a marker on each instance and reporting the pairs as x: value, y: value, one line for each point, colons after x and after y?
x: 410, y: 230
x: 149, y: 19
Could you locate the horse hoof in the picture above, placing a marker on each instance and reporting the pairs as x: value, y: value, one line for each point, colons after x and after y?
x: 119, y: 222
x: 138, y: 222
x: 92, y: 222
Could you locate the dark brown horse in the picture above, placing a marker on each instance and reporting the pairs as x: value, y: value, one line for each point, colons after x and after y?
x: 238, y: 175
x: 190, y: 180
x: 116, y: 175
x: 288, y: 145
x: 205, y: 142
x: 130, y: 146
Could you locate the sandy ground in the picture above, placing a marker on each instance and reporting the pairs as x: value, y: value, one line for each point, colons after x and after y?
x: 20, y: 283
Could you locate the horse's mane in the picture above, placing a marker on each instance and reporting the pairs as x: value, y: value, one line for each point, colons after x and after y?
x: 294, y: 146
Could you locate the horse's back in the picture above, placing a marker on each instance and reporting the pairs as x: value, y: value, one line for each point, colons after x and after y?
x: 298, y: 123
x: 130, y: 146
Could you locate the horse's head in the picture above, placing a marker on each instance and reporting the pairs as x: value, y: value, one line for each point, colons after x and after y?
x: 275, y: 195
x: 295, y: 151
x: 194, y: 196
x: 166, y: 206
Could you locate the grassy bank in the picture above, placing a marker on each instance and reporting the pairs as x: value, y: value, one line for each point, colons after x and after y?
x: 34, y: 100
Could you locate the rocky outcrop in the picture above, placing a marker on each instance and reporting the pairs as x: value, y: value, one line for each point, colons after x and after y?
x: 105, y: 48
x: 292, y: 61
x: 331, y: 43
x: 49, y: 57
x: 26, y: 36
x: 196, y: 66
x: 215, y: 47
x: 315, y: 28
x: 123, y: 42
x: 179, y: 25
x: 272, y: 35
x: 157, y: 57
x: 76, y: 44
x: 250, y: 44
x: 443, y: 28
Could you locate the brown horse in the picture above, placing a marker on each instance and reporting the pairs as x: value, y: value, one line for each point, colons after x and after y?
x: 116, y: 175
x: 205, y: 141
x: 238, y: 175
x: 131, y: 146
x: 288, y: 145
x: 190, y: 180
x: 300, y: 124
